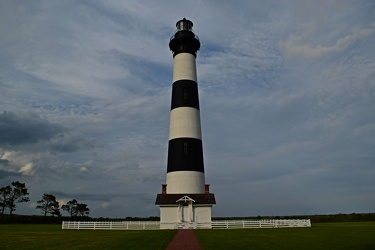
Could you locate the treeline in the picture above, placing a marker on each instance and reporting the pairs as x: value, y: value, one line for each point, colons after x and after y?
x: 40, y: 219
x: 317, y: 218
x: 17, y: 192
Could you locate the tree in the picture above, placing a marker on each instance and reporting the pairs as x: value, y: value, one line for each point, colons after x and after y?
x: 70, y: 207
x: 49, y: 205
x: 76, y: 209
x: 82, y: 209
x: 17, y: 194
x: 4, y: 196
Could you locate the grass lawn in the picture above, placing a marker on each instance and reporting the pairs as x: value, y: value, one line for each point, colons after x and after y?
x: 53, y: 237
x: 353, y: 235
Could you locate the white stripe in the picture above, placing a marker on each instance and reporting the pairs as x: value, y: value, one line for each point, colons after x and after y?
x: 188, y: 182
x: 185, y: 122
x: 184, y: 67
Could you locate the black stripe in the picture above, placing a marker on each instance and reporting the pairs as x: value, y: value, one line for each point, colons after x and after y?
x: 185, y: 154
x: 185, y: 94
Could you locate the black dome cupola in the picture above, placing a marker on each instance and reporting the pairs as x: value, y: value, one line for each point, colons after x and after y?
x: 184, y: 40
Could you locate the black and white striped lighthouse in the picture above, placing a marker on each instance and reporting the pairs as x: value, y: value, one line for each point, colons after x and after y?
x: 185, y: 183
x: 185, y: 169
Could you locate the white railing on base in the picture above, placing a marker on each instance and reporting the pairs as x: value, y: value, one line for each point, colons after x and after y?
x: 155, y: 225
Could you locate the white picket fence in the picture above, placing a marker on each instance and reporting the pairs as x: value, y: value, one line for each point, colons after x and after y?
x: 155, y: 225
x: 111, y: 225
x: 260, y: 224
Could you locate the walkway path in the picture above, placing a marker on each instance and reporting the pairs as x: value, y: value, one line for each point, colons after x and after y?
x: 184, y: 240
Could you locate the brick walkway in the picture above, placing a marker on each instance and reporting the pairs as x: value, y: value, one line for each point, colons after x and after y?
x: 184, y: 240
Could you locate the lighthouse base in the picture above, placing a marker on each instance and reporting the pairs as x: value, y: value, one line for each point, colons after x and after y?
x: 185, y: 210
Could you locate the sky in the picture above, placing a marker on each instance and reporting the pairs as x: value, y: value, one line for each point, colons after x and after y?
x: 287, y: 103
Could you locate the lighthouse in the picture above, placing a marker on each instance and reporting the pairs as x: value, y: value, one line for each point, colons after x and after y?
x: 185, y: 200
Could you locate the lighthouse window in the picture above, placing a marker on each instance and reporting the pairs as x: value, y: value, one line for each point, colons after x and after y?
x: 181, y: 26
x: 186, y: 148
x: 185, y: 93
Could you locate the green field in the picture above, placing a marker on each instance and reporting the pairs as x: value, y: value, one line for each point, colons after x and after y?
x: 343, y: 235
x: 353, y: 235
x: 53, y: 237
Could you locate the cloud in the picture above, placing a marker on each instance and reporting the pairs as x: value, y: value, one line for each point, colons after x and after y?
x: 298, y: 46
x: 15, y: 130
x: 81, y: 196
x: 27, y: 169
x: 5, y: 174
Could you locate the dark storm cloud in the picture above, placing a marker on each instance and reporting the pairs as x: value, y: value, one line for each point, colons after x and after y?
x: 69, y: 142
x: 18, y: 130
x: 82, y: 196
x: 4, y: 162
x: 4, y: 173
x: 101, y: 197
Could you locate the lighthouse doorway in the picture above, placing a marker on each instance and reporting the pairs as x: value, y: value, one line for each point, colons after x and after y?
x: 185, y: 213
x: 185, y: 209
